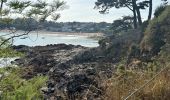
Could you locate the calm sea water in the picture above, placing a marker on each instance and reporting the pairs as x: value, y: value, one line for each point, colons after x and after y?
x: 45, y: 39
x: 39, y: 39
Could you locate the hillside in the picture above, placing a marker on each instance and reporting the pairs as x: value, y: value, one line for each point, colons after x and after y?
x: 143, y: 73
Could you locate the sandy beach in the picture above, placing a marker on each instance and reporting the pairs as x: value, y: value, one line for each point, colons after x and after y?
x: 60, y: 33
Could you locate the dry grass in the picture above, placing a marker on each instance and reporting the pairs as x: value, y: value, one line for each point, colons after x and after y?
x: 121, y: 86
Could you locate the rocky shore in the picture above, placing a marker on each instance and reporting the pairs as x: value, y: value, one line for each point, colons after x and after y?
x: 75, y: 72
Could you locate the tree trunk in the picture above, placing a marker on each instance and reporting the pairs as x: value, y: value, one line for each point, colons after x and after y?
x: 139, y: 16
x: 2, y: 2
x: 137, y: 10
x: 134, y: 14
x: 150, y: 10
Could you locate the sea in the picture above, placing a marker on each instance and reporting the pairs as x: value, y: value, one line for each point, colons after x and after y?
x: 42, y: 39
x: 38, y: 39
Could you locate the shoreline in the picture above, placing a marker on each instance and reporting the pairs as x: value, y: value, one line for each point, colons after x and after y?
x: 60, y: 33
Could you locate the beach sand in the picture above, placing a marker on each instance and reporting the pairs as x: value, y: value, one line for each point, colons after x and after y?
x: 60, y: 33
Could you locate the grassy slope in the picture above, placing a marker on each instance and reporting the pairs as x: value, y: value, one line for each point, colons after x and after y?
x: 127, y: 80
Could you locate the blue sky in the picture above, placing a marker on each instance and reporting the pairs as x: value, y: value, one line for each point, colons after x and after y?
x: 82, y: 11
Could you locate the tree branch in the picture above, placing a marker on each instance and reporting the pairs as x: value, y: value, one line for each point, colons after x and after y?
x: 8, y: 33
x: 128, y: 7
x: 6, y: 40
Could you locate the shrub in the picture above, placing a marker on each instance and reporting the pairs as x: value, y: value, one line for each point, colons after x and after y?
x: 13, y: 87
x: 154, y: 37
x: 8, y: 52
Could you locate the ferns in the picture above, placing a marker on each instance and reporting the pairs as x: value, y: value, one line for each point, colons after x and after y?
x: 13, y: 87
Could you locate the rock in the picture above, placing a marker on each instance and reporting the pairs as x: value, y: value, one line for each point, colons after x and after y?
x: 71, y: 69
x: 91, y: 71
x: 76, y: 85
x: 44, y: 89
x: 21, y: 48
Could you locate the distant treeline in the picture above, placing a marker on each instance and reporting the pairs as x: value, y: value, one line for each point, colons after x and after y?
x: 31, y: 24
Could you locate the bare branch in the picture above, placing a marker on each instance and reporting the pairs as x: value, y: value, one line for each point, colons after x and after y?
x: 8, y: 33
x: 128, y: 7
x: 6, y: 40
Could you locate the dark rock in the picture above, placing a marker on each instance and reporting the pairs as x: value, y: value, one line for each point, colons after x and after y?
x: 78, y: 84
x: 71, y: 69
x: 91, y: 71
x: 21, y: 48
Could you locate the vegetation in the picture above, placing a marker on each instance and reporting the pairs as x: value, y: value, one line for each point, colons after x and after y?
x: 155, y: 33
x: 84, y: 27
x: 13, y: 87
x: 38, y: 10
x: 142, y: 66
x: 133, y: 5
x: 147, y: 79
x: 8, y: 52
x: 122, y: 85
x: 159, y: 10
x: 123, y: 24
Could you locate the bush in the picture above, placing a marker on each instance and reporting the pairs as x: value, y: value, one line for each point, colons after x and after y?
x: 154, y: 37
x: 8, y: 52
x: 13, y: 87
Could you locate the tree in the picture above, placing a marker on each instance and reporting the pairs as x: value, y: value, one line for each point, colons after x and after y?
x: 150, y: 10
x: 123, y: 24
x: 39, y: 10
x: 132, y: 5
x: 160, y: 8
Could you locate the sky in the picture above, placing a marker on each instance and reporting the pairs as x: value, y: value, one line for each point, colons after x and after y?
x: 82, y: 11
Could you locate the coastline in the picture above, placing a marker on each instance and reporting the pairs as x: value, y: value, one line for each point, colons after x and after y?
x: 59, y: 33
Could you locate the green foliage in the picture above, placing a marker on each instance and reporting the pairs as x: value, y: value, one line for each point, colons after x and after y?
x: 13, y: 87
x: 19, y: 5
x: 38, y: 9
x: 6, y: 21
x: 46, y: 10
x: 121, y: 69
x: 105, y: 5
x: 155, y: 34
x: 8, y: 52
x: 159, y: 10
x: 133, y: 5
x: 153, y: 67
x: 6, y: 44
x: 123, y: 24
